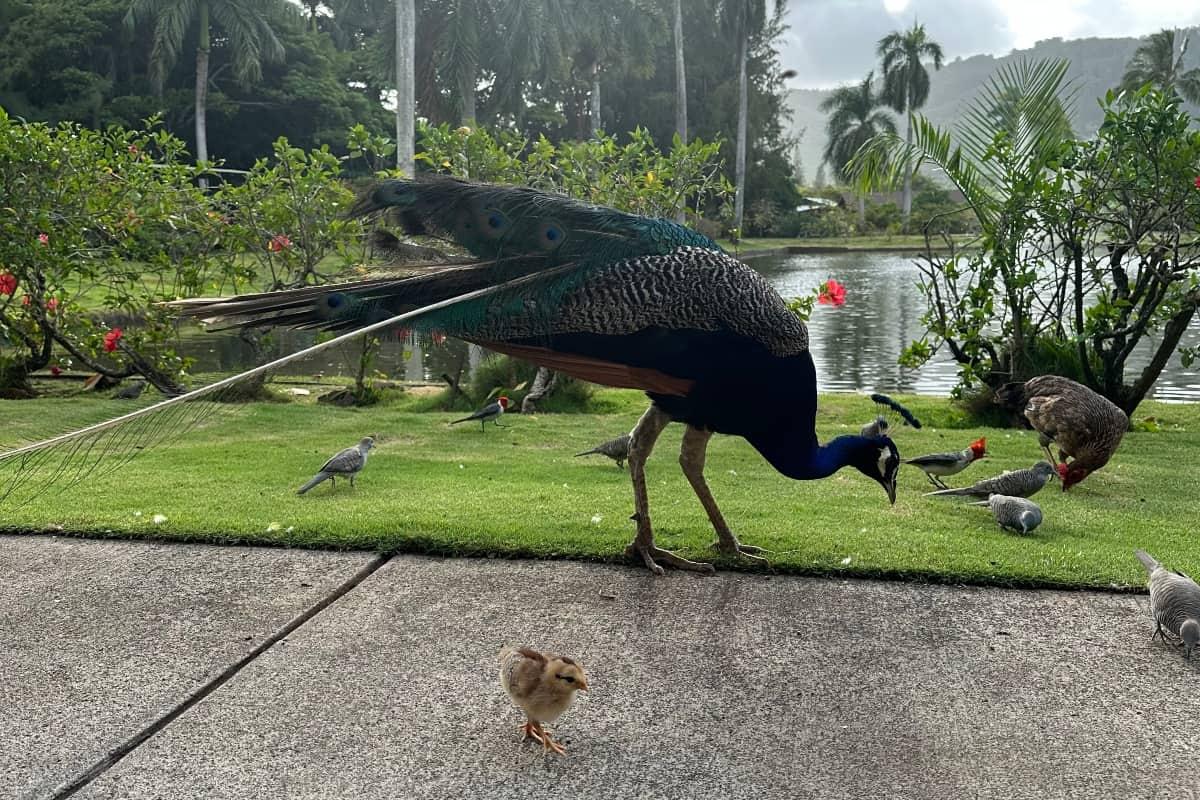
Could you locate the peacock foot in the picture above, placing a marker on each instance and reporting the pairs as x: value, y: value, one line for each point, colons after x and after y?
x: 730, y: 546
x: 649, y: 552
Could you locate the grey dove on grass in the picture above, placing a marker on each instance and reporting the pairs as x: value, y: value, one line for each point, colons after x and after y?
x: 1019, y: 483
x: 1174, y: 602
x: 1013, y: 513
x: 346, y: 464
x: 616, y: 449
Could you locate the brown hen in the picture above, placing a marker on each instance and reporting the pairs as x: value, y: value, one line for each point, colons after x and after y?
x: 1086, y: 426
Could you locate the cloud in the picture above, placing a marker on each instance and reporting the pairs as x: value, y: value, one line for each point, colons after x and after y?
x: 833, y: 41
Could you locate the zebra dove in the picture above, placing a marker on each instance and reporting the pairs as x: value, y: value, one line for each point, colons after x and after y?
x: 1174, y: 602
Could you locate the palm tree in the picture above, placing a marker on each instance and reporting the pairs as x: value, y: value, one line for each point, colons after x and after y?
x: 856, y: 115
x: 1157, y: 62
x: 745, y: 19
x: 906, y: 82
x: 246, y: 24
x: 614, y: 34
x: 406, y: 101
x: 456, y: 26
x: 681, y: 115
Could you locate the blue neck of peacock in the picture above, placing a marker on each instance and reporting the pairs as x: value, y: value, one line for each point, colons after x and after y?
x: 801, y: 457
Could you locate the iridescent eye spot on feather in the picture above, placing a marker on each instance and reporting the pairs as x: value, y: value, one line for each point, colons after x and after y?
x: 551, y: 235
x: 493, y: 223
x: 335, y: 301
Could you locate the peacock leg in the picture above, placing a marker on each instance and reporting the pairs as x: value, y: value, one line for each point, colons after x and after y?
x: 644, y: 435
x: 691, y: 459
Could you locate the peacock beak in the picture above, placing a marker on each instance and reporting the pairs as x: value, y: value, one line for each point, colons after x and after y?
x: 890, y: 487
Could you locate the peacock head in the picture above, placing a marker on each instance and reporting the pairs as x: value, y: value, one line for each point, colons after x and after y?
x: 1071, y: 475
x: 878, y: 459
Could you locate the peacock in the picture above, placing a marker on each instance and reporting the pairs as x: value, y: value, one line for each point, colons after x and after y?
x: 605, y: 296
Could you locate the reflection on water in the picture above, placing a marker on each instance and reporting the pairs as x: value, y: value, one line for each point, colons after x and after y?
x: 855, y: 347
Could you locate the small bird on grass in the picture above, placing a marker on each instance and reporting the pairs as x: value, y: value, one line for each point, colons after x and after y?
x: 1019, y: 483
x: 1174, y: 602
x: 1013, y: 513
x: 346, y: 464
x: 616, y: 449
x: 940, y: 465
x: 131, y: 392
x: 889, y: 412
x: 543, y: 685
x: 492, y: 411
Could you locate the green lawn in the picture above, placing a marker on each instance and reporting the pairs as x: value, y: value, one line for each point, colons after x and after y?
x: 520, y: 492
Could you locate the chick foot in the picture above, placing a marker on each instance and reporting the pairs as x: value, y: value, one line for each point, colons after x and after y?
x: 531, y: 730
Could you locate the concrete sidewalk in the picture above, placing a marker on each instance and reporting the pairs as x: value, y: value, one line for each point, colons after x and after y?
x: 732, y: 686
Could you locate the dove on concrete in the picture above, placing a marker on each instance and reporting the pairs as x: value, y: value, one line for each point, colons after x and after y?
x: 1174, y: 602
x: 346, y: 464
x: 1019, y: 483
x: 1013, y: 513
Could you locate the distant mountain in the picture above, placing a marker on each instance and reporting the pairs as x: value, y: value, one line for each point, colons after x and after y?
x: 1096, y: 67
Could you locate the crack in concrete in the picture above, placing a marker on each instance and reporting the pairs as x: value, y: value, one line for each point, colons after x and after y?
x: 135, y: 741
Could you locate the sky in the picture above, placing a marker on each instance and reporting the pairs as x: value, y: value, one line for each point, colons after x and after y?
x: 833, y: 41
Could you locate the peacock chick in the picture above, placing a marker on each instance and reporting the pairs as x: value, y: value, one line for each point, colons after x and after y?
x: 543, y: 685
x: 616, y: 449
x: 1086, y: 427
x: 940, y: 465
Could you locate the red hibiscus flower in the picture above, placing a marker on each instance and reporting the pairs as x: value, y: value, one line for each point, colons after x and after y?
x: 1198, y: 181
x: 439, y: 337
x: 25, y: 300
x: 831, y: 293
x: 278, y: 243
x: 111, y: 338
x: 8, y: 283
x: 55, y: 370
x: 44, y: 238
x: 52, y: 304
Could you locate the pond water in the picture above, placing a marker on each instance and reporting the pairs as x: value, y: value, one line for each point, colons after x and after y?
x: 855, y: 346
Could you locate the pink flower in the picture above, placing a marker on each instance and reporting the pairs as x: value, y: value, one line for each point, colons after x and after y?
x: 279, y: 242
x: 44, y: 238
x: 133, y: 149
x: 8, y: 283
x: 52, y: 304
x: 1197, y: 181
x: 111, y: 338
x: 831, y: 293
x: 55, y: 370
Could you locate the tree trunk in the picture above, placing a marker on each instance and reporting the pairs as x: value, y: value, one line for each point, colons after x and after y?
x: 739, y: 160
x: 543, y: 384
x: 594, y: 102
x: 908, y: 171
x: 202, y: 49
x: 467, y: 89
x: 862, y: 211
x: 681, y: 117
x: 1172, y: 332
x: 406, y: 37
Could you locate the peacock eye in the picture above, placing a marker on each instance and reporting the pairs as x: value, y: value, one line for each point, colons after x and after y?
x: 335, y: 300
x: 495, y: 221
